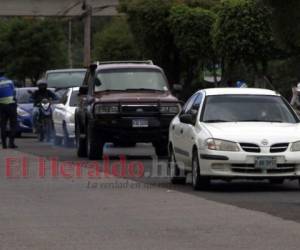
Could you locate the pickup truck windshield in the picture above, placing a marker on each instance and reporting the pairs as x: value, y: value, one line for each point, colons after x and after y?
x: 130, y: 79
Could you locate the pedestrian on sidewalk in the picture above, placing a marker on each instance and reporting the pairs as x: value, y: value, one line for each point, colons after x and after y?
x: 8, y: 112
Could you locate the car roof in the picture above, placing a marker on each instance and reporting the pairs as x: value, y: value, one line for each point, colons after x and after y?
x: 74, y: 88
x: 239, y: 91
x: 31, y: 88
x: 128, y: 66
x: 65, y: 70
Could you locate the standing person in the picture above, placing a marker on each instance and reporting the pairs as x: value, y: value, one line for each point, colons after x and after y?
x: 8, y: 112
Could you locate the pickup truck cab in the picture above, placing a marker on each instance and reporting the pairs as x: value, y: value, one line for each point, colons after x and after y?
x: 124, y: 103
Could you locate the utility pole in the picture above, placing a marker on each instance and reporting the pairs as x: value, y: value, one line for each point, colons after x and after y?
x: 87, y: 16
x: 70, y: 58
x: 87, y: 33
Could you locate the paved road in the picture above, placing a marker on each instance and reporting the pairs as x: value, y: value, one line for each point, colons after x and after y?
x: 140, y: 213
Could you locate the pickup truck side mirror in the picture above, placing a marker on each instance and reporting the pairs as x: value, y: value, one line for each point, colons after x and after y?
x: 187, y: 118
x: 83, y: 90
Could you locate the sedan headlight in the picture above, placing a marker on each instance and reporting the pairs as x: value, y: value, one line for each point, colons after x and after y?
x: 22, y: 112
x: 110, y: 108
x: 295, y: 146
x: 170, y: 108
x: 221, y: 145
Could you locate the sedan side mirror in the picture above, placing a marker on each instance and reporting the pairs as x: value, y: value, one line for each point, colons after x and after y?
x: 83, y: 90
x: 187, y: 118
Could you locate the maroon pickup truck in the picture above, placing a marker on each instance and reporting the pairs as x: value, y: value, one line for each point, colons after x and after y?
x: 124, y: 103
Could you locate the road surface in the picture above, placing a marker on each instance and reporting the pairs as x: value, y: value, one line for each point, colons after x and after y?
x: 46, y: 212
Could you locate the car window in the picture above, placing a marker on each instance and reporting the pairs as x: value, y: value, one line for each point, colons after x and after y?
x: 247, y: 108
x: 131, y: 78
x: 188, y: 105
x: 23, y: 96
x: 196, y: 105
x: 65, y: 79
x: 74, y: 99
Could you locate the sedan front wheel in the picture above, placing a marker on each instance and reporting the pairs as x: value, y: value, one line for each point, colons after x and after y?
x: 199, y: 182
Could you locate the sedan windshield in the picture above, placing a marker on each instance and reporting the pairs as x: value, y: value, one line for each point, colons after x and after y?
x: 130, y: 79
x: 65, y: 79
x: 247, y: 108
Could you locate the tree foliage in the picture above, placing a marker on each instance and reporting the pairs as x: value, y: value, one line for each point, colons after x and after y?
x: 191, y: 28
x: 30, y: 47
x: 243, y: 33
x: 115, y: 42
x: 148, y: 20
x: 286, y: 23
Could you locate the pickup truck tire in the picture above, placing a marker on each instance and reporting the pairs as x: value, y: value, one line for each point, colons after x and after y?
x: 80, y: 144
x: 94, y: 144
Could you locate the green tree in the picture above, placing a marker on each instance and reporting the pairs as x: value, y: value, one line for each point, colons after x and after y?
x: 191, y: 28
x: 148, y: 20
x: 30, y: 47
x: 243, y: 35
x: 115, y: 42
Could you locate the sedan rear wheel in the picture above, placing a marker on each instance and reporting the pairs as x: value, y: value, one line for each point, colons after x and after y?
x: 199, y: 182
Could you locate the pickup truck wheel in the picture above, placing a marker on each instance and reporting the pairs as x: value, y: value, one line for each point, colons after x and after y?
x: 94, y: 145
x: 80, y: 144
x: 176, y: 178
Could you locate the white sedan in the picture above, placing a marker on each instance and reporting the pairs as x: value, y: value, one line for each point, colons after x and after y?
x: 230, y: 133
x: 63, y: 118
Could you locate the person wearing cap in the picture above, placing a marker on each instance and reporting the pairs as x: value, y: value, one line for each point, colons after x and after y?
x: 38, y: 96
x: 8, y: 112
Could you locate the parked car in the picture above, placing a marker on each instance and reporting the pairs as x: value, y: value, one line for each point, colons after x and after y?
x: 63, y: 118
x: 235, y: 133
x: 65, y: 78
x: 124, y: 103
x: 24, y: 109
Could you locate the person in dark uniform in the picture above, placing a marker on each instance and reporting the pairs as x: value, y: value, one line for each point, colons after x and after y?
x: 38, y: 96
x: 8, y: 112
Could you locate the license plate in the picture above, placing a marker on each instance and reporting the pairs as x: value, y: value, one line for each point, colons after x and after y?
x: 265, y: 163
x: 140, y: 123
